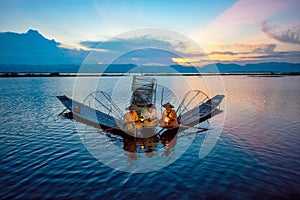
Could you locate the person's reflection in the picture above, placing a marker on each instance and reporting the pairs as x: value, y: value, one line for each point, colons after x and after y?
x: 130, y: 146
x: 150, y: 145
x: 146, y: 145
x: 169, y: 140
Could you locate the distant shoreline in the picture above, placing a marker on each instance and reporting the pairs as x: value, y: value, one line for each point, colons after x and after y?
x: 57, y: 74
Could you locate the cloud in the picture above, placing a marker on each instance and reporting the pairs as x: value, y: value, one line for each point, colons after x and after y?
x: 145, y: 49
x: 244, y: 53
x: 129, y: 44
x: 222, y: 53
x: 291, y: 35
x: 246, y: 47
x: 279, y: 55
x: 264, y: 48
x: 147, y: 56
x: 240, y: 53
x: 235, y: 22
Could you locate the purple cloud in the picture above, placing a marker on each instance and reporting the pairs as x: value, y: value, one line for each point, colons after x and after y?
x: 292, y: 35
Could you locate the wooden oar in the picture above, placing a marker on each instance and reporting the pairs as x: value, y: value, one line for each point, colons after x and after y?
x: 109, y: 129
x: 62, y: 112
x: 158, y: 133
x: 187, y: 127
x: 193, y: 127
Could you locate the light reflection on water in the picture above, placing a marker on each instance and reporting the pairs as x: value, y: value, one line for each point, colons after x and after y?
x: 256, y: 156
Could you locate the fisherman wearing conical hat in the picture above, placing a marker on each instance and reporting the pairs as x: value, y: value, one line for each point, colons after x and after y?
x: 130, y: 118
x: 169, y: 117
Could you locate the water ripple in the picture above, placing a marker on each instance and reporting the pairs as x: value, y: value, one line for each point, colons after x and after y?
x: 256, y: 156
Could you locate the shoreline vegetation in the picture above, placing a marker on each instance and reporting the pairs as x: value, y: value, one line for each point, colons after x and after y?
x: 58, y: 74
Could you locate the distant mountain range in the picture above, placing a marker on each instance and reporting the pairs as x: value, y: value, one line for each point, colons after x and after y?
x: 131, y: 68
x: 32, y: 53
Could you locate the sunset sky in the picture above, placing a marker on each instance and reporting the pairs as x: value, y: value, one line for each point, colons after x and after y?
x: 244, y: 31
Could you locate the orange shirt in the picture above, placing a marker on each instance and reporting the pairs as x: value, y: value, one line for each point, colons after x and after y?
x: 130, y: 117
x: 169, y: 118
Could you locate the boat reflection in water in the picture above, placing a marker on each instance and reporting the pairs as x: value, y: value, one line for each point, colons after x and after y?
x: 169, y: 140
x: 136, y: 145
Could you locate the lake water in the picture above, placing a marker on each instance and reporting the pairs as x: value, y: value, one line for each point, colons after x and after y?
x: 253, y: 154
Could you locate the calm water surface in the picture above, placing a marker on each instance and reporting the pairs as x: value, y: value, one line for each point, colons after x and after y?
x: 256, y: 156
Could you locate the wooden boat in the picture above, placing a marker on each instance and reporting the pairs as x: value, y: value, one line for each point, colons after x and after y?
x: 98, y: 119
x: 88, y: 115
x: 143, y: 89
x: 201, y: 112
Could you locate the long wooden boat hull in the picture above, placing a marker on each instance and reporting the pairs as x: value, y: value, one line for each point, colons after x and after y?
x: 98, y: 119
x: 88, y: 115
x: 201, y: 112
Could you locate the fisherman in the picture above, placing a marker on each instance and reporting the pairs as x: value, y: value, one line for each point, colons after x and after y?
x: 169, y: 117
x: 131, y: 118
x: 150, y: 116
